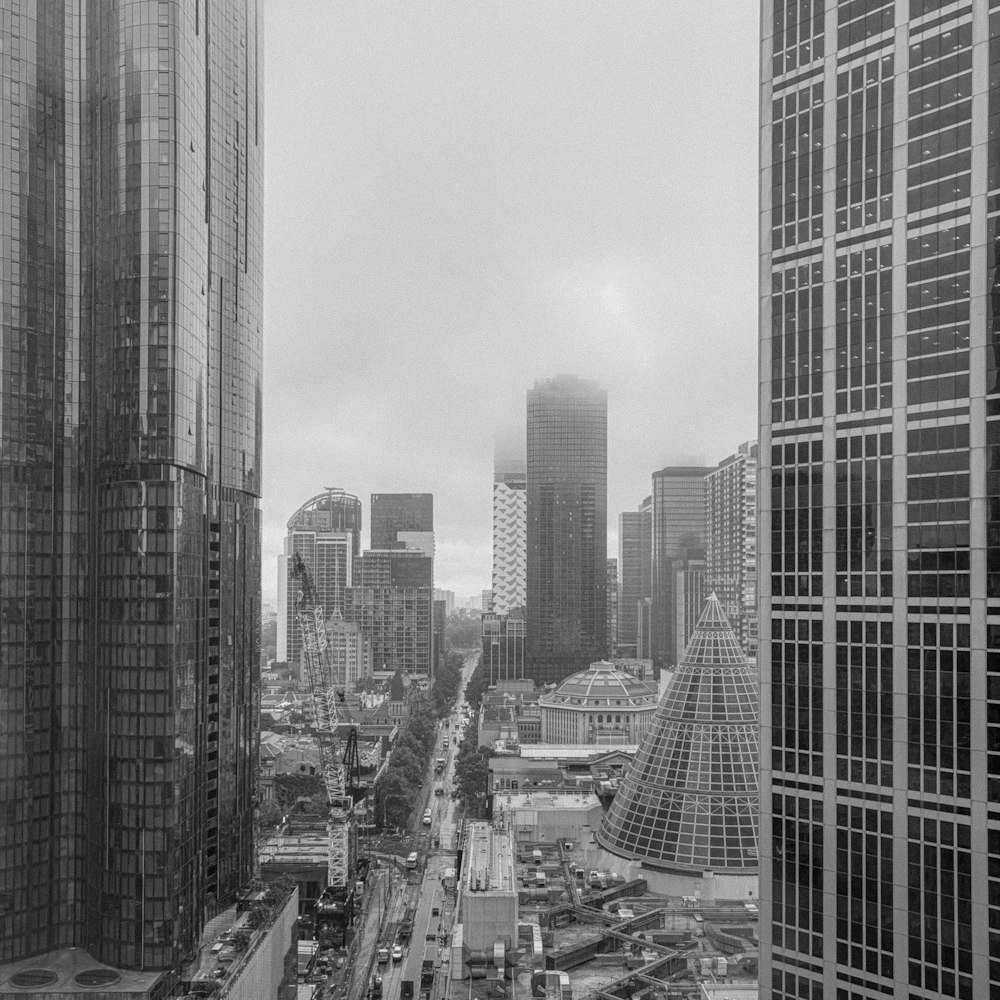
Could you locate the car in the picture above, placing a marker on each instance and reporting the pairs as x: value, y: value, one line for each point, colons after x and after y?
x: 439, y: 790
x: 427, y: 818
x: 397, y: 953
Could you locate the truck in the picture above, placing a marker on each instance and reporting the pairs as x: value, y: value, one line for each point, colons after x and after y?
x: 405, y: 930
x: 427, y: 967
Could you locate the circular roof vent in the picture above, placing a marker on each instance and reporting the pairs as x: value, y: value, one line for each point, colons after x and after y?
x: 97, y: 977
x: 31, y: 979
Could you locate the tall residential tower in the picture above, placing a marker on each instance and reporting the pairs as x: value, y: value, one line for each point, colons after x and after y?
x: 731, y: 541
x: 509, y: 533
x: 879, y: 521
x: 130, y: 469
x: 326, y: 532
x: 567, y: 433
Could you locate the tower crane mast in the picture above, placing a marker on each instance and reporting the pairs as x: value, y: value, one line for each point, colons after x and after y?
x: 336, y: 905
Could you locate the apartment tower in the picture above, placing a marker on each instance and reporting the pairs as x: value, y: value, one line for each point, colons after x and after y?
x: 130, y: 470
x: 731, y: 540
x: 879, y: 521
x: 509, y: 533
x: 326, y: 532
x: 567, y: 435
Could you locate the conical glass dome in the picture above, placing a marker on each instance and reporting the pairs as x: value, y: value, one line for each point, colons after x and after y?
x: 688, y: 801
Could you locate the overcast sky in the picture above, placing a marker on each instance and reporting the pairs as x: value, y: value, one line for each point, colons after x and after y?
x: 463, y: 197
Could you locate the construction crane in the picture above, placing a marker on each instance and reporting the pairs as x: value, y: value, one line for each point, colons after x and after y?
x: 340, y: 767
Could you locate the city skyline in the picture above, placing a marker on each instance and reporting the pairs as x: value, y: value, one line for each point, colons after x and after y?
x: 538, y: 215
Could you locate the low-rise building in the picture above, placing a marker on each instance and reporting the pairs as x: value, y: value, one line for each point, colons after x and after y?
x: 598, y: 705
x: 549, y: 816
x: 486, y: 930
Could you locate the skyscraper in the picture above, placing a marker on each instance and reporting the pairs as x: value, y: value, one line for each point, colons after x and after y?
x: 879, y: 647
x: 130, y: 464
x: 567, y: 434
x: 403, y: 520
x: 731, y: 540
x: 326, y: 532
x: 509, y: 533
x: 612, y: 592
x: 634, y: 527
x: 678, y: 552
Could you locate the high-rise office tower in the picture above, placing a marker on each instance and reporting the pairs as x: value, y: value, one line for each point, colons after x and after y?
x: 612, y: 591
x: 731, y: 540
x: 689, y: 594
x: 634, y: 527
x: 879, y: 647
x: 326, y: 532
x: 503, y: 646
x: 130, y: 465
x: 567, y: 526
x: 678, y: 548
x: 403, y: 521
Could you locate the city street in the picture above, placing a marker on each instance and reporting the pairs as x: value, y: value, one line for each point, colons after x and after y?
x: 396, y: 890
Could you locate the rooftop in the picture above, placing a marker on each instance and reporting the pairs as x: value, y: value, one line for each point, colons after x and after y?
x: 68, y: 971
x: 573, y: 751
x: 547, y: 800
x: 489, y: 864
x: 602, y: 685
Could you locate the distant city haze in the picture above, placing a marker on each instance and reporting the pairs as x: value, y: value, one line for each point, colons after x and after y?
x: 463, y: 198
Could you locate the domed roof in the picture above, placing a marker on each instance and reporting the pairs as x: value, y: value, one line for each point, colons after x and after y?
x: 601, y: 685
x: 688, y: 801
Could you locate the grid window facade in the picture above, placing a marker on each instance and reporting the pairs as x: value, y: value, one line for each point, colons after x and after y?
x: 877, y: 499
x: 567, y: 501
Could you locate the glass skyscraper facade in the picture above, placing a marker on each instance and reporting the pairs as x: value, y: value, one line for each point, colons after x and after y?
x: 406, y: 513
x: 567, y: 439
x: 634, y: 527
x: 130, y: 464
x: 678, y: 554
x: 879, y: 492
